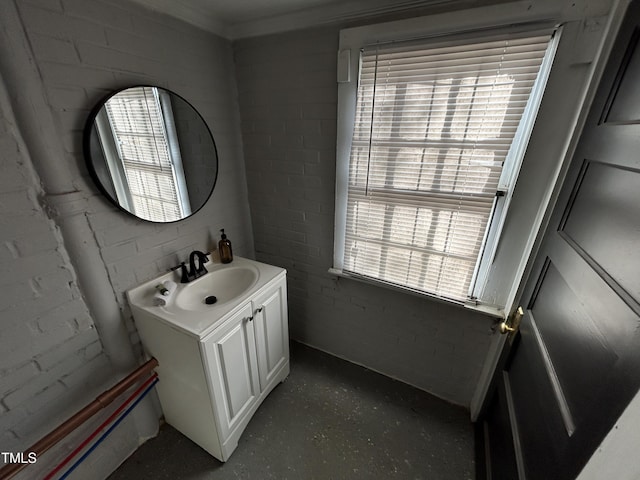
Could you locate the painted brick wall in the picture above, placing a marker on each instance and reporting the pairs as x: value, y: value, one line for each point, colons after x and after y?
x: 84, y: 50
x: 288, y: 95
x: 51, y: 359
x: 50, y: 353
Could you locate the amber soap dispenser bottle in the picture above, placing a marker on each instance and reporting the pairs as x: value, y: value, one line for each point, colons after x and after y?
x: 224, y: 249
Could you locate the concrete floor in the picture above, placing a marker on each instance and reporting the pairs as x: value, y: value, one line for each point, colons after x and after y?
x: 329, y: 420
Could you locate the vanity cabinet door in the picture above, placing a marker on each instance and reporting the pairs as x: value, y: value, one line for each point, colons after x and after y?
x: 272, y: 332
x: 231, y: 360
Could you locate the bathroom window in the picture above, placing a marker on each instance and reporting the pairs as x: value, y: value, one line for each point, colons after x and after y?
x: 145, y: 163
x: 439, y: 130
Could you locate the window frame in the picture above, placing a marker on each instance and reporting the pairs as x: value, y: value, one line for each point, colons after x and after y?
x: 463, y: 22
x: 117, y: 165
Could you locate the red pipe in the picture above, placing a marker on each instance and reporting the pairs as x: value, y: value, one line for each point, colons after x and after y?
x: 102, y: 426
x: 53, y: 437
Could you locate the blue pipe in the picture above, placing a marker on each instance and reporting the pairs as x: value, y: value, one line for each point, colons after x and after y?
x: 109, y: 430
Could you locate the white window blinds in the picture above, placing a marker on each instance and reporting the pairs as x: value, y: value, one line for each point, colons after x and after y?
x: 434, y: 125
x: 139, y: 131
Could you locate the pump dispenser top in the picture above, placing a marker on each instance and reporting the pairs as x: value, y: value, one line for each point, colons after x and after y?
x: 224, y: 248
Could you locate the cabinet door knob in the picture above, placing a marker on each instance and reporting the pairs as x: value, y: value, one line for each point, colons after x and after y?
x: 260, y: 309
x: 251, y: 318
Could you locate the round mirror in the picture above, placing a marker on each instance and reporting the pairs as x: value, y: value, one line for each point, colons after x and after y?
x: 151, y: 153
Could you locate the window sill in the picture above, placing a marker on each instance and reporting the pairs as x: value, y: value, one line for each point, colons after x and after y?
x: 480, y: 308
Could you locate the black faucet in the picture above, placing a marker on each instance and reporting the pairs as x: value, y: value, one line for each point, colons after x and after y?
x: 202, y: 259
x: 193, y: 272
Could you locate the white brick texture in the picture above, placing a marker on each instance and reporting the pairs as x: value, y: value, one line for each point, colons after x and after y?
x: 46, y: 332
x: 51, y: 358
x: 86, y: 49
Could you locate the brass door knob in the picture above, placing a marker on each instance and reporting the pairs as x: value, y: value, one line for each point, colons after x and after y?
x: 512, y: 323
x: 504, y: 328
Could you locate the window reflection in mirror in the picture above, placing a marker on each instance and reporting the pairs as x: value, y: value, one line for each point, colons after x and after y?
x: 152, y: 154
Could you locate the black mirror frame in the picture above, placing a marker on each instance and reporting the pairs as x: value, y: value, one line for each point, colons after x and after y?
x: 86, y: 148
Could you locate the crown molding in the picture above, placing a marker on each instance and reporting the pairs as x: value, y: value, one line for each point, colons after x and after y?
x: 336, y: 12
x: 331, y: 13
x: 204, y: 20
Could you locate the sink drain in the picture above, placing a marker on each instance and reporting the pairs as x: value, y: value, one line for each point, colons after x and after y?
x: 210, y: 300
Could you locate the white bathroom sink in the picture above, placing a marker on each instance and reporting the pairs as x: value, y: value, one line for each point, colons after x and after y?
x: 216, y: 287
x: 187, y: 309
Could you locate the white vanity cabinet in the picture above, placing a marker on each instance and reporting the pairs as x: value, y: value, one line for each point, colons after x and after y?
x: 246, y: 357
x: 211, y: 384
x: 230, y: 361
x: 272, y: 336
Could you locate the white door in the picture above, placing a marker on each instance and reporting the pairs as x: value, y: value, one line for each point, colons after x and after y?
x: 272, y: 332
x: 230, y: 358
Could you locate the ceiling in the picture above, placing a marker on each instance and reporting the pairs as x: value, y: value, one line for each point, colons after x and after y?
x: 244, y: 18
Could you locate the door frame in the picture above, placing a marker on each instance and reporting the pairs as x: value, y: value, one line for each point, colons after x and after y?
x: 498, y: 343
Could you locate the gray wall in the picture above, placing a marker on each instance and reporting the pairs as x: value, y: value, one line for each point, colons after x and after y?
x: 70, y: 53
x: 50, y: 353
x: 195, y: 150
x: 288, y: 94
